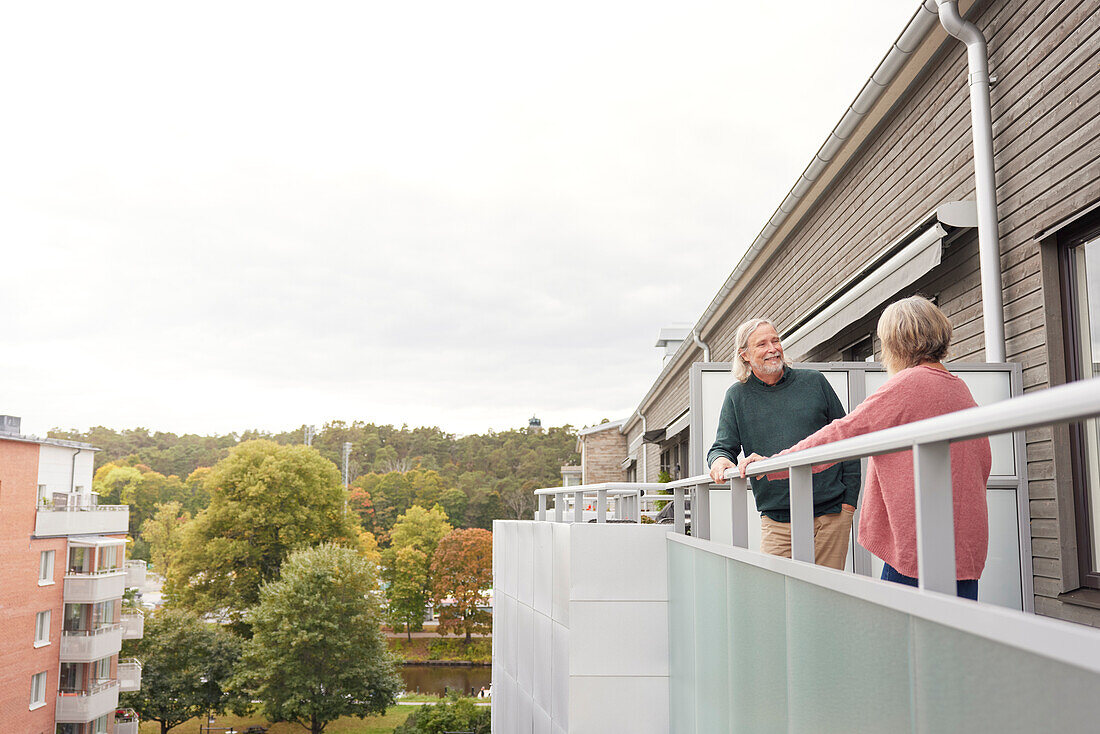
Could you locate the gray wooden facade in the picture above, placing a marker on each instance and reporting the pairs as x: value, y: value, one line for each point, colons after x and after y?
x: 912, y: 154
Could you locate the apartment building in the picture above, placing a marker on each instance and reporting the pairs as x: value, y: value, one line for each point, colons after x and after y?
x: 62, y: 619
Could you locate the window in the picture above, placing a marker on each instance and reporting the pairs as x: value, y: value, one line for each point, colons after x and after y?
x: 43, y: 493
x: 38, y: 690
x: 101, y: 669
x: 72, y: 677
x: 42, y: 629
x: 45, y: 567
x: 74, y: 618
x: 108, y: 557
x: 80, y: 560
x: 99, y: 726
x: 1080, y: 262
x: 862, y: 351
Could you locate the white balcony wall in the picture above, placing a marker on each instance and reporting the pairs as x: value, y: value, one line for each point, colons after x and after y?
x: 89, y: 589
x: 79, y: 647
x: 135, y: 574
x: 580, y: 628
x: 133, y: 625
x: 107, y: 520
x: 60, y: 473
x: 126, y: 727
x: 84, y: 707
x: 129, y: 675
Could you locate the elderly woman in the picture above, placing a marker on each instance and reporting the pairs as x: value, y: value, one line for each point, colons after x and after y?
x: 915, y: 336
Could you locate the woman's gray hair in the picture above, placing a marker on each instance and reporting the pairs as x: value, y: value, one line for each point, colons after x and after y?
x: 741, y: 368
x: 913, y: 331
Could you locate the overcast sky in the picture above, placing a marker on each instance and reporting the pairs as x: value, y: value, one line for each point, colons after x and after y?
x: 221, y: 216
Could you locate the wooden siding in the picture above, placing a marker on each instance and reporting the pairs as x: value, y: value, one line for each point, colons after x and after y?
x: 1046, y: 120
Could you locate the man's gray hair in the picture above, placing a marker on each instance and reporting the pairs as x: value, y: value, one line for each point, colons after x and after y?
x: 741, y: 368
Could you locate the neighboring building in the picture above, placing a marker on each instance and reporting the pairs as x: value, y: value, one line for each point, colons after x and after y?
x: 571, y: 476
x: 64, y: 578
x: 602, y: 449
x: 884, y: 211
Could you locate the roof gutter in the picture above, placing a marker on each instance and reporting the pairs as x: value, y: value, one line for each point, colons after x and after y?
x: 985, y: 189
x: 922, y: 22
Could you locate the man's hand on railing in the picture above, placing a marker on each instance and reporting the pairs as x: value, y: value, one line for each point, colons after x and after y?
x: 743, y: 467
x: 718, y: 469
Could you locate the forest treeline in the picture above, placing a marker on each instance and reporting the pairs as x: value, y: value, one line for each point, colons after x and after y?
x: 475, y: 478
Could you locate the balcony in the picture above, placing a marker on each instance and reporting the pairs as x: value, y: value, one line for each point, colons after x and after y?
x: 135, y: 574
x: 84, y: 706
x: 133, y: 624
x: 77, y: 515
x: 129, y: 675
x: 126, y: 721
x: 89, y: 646
x: 89, y: 588
x: 610, y: 626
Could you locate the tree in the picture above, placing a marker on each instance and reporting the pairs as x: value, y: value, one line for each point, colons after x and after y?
x: 462, y: 569
x: 456, y: 715
x: 164, y: 533
x: 317, y: 652
x: 421, y: 529
x: 266, y: 501
x: 454, y: 502
x: 185, y: 666
x: 407, y: 591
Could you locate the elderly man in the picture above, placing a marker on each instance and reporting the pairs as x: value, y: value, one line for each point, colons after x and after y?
x: 771, y: 407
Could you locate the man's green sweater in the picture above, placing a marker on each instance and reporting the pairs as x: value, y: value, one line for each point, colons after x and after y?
x: 765, y: 419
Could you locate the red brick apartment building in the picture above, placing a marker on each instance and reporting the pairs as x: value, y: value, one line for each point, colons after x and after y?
x: 64, y: 573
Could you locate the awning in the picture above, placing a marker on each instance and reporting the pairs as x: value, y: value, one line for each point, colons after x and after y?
x: 96, y: 541
x: 870, y: 288
x: 679, y: 425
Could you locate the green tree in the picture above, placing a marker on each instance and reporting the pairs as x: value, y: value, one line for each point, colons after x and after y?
x: 266, y: 501
x: 421, y: 529
x: 317, y: 652
x: 454, y: 502
x: 407, y: 588
x: 185, y: 666
x: 164, y: 534
x: 462, y: 571
x: 451, y: 716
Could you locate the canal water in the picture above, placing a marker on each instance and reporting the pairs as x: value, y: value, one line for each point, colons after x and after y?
x: 439, y: 679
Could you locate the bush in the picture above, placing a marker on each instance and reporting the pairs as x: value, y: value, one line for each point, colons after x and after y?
x: 458, y: 714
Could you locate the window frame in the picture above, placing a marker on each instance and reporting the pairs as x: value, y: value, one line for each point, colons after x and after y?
x: 39, y: 623
x: 1077, y: 234
x: 47, y: 578
x: 38, y: 687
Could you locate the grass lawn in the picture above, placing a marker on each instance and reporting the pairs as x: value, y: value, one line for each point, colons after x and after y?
x: 384, y: 724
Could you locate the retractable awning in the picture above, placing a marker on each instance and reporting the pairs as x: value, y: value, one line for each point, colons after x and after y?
x: 901, y: 264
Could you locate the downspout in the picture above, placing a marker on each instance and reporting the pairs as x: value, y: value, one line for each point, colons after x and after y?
x: 72, y: 472
x: 645, y: 454
x: 701, y: 344
x: 985, y: 189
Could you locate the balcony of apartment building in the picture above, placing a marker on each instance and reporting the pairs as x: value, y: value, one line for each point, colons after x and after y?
x: 129, y: 674
x: 126, y: 721
x: 90, y: 631
x: 95, y: 570
x: 133, y: 624
x: 604, y: 622
x: 136, y: 571
x: 79, y: 513
x: 85, y: 704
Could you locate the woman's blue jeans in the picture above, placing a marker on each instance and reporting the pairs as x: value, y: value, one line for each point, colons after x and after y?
x: 966, y: 588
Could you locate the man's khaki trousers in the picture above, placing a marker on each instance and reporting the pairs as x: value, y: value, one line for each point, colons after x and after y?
x: 831, y: 536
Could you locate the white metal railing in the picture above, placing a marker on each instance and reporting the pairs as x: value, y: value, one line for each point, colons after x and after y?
x: 626, y: 495
x: 100, y: 630
x: 929, y: 440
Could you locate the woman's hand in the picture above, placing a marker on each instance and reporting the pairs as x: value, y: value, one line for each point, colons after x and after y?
x: 744, y: 465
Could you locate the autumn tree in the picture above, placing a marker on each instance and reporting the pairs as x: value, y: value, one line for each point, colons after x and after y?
x: 317, y: 652
x: 266, y: 501
x: 407, y: 565
x: 462, y: 571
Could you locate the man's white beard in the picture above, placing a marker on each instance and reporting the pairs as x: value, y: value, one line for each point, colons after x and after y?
x: 768, y: 369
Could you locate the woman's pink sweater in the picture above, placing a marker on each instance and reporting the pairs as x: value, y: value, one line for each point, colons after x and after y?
x: 888, y: 520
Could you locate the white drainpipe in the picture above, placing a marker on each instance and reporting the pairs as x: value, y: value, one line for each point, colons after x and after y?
x: 645, y: 464
x: 985, y: 186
